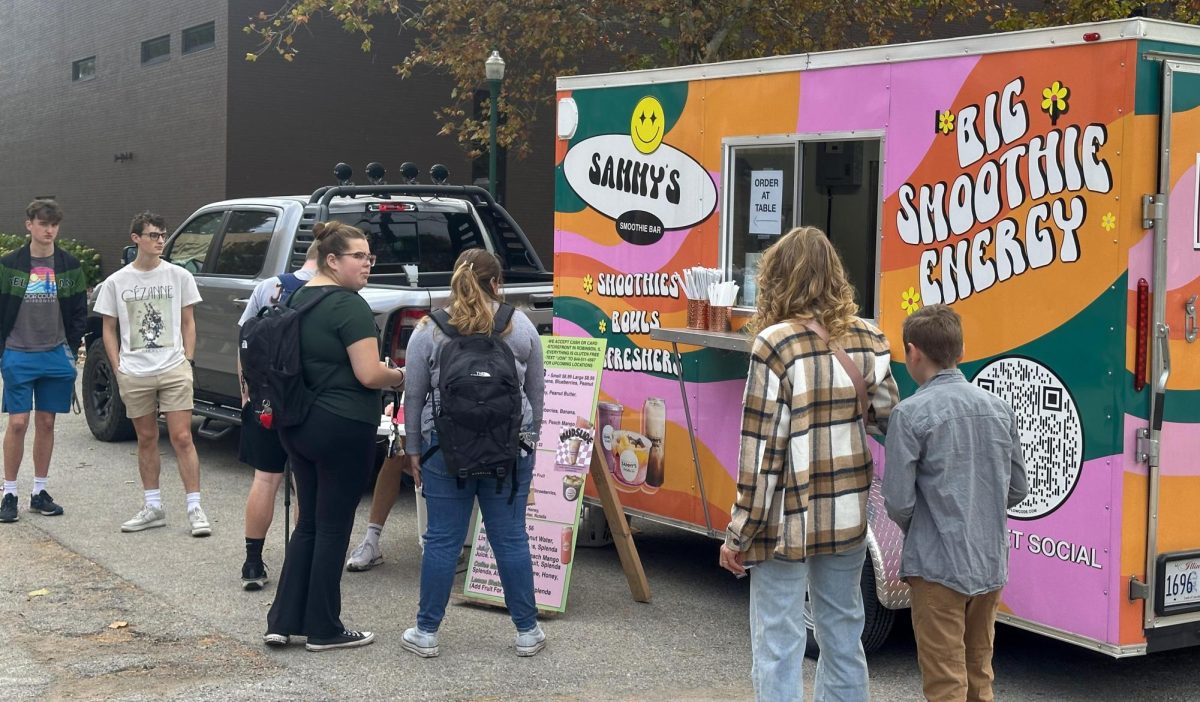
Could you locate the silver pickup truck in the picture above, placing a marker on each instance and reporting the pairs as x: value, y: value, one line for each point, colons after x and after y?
x: 232, y: 245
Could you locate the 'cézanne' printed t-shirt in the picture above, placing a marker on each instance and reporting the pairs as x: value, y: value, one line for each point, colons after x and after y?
x: 39, y: 324
x: 149, y: 306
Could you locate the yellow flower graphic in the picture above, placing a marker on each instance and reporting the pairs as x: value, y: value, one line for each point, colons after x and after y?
x: 946, y: 122
x: 910, y: 300
x: 603, y: 326
x: 1108, y: 221
x: 587, y: 284
x: 1054, y: 100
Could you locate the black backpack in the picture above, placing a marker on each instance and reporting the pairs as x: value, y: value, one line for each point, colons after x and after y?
x: 478, y: 413
x: 270, y: 348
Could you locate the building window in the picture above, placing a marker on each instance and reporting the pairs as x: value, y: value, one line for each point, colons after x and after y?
x: 156, y: 50
x: 84, y: 69
x: 199, y: 38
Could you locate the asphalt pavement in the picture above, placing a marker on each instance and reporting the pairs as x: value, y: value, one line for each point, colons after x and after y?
x: 88, y: 612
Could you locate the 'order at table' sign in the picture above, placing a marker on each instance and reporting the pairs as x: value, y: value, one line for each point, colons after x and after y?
x: 564, y: 453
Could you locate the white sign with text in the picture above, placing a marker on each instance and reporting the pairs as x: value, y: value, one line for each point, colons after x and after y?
x: 766, y: 202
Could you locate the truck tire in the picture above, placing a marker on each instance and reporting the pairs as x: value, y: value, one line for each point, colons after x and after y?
x: 102, y: 404
x: 876, y: 628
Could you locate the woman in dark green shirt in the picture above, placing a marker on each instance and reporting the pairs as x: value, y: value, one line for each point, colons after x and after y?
x: 332, y: 451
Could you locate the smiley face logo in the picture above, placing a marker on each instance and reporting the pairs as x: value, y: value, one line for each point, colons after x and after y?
x: 647, y: 125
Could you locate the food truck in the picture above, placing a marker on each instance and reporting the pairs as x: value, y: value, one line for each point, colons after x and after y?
x: 1043, y: 183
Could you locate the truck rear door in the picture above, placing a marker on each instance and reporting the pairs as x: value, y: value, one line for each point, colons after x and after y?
x: 1173, y: 545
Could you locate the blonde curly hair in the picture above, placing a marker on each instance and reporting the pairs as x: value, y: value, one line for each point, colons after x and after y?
x: 801, y: 277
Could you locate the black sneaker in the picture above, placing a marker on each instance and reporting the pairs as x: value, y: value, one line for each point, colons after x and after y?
x: 8, y: 508
x: 346, y: 639
x: 254, y: 575
x: 42, y: 503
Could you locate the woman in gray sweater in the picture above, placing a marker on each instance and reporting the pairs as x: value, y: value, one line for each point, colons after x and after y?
x: 475, y: 298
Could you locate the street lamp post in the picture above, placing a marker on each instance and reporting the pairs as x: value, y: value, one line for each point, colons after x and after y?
x: 493, y: 68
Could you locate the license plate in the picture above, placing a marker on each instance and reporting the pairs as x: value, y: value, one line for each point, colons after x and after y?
x: 1181, y: 582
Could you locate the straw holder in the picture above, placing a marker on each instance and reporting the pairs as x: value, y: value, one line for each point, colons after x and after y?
x: 697, y: 314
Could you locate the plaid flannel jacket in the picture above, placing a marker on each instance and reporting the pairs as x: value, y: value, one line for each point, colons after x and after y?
x: 805, y: 468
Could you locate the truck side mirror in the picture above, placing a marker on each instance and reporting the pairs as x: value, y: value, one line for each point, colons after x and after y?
x: 128, y: 254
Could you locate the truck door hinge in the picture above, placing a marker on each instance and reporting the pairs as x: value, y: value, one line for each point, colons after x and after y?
x: 1147, y: 448
x: 1138, y: 590
x: 1153, y: 209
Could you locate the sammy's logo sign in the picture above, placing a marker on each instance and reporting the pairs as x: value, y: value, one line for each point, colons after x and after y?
x: 644, y: 185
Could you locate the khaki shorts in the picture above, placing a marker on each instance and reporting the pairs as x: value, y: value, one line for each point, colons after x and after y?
x: 169, y: 391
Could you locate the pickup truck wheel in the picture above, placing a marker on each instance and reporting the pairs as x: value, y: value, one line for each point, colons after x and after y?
x: 102, y: 404
x: 879, y: 619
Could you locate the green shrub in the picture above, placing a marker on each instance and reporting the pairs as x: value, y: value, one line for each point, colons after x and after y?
x: 89, y: 258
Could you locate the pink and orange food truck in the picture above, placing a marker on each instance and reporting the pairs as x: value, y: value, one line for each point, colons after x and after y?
x: 1043, y: 183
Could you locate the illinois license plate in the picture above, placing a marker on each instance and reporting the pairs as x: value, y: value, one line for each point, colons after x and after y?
x: 1181, y: 582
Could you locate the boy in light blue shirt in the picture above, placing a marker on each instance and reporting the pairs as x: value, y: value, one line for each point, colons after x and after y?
x: 954, y: 467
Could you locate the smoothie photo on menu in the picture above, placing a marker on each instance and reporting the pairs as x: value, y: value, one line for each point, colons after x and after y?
x: 608, y: 422
x: 654, y: 428
x: 566, y: 545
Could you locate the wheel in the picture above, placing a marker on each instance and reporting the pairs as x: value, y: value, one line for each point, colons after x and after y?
x: 879, y: 619
x: 102, y: 404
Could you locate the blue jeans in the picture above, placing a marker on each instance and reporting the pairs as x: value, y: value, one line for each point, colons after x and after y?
x: 449, y: 520
x: 777, y: 633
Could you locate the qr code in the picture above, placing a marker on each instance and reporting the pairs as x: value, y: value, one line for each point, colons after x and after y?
x: 1051, y: 431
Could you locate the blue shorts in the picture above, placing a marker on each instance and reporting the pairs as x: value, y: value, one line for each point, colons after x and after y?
x: 42, y: 378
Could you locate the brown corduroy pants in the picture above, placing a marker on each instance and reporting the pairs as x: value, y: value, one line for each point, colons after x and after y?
x: 955, y: 634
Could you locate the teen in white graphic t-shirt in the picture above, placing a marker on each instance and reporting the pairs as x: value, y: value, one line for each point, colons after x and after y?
x: 151, y: 300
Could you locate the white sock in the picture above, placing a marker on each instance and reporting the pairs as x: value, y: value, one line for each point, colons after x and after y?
x: 10, y: 487
x: 154, y: 498
x: 39, y: 484
x: 373, y: 532
x: 193, y: 500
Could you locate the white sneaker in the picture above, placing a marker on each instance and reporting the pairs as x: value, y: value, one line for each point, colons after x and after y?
x: 199, y: 521
x: 365, y: 556
x: 148, y: 518
x: 530, y: 642
x: 422, y: 643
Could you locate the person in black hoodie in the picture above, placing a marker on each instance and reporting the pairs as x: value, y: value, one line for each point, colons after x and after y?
x: 43, y: 311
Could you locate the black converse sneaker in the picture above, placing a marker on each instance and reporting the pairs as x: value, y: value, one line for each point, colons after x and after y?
x: 346, y: 639
x: 42, y: 503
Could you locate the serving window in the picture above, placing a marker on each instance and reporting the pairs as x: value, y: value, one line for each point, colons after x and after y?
x: 773, y: 185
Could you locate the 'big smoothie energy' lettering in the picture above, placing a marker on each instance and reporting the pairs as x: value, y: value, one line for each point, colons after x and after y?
x: 1003, y: 176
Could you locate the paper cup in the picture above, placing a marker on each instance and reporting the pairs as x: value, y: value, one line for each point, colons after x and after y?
x: 697, y: 314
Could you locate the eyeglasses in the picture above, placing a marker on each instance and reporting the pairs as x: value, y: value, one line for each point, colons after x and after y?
x: 156, y: 236
x: 360, y: 257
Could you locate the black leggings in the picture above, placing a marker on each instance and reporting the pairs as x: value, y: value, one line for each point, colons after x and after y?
x: 331, y: 459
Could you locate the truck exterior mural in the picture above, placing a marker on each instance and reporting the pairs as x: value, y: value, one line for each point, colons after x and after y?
x: 1043, y: 183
